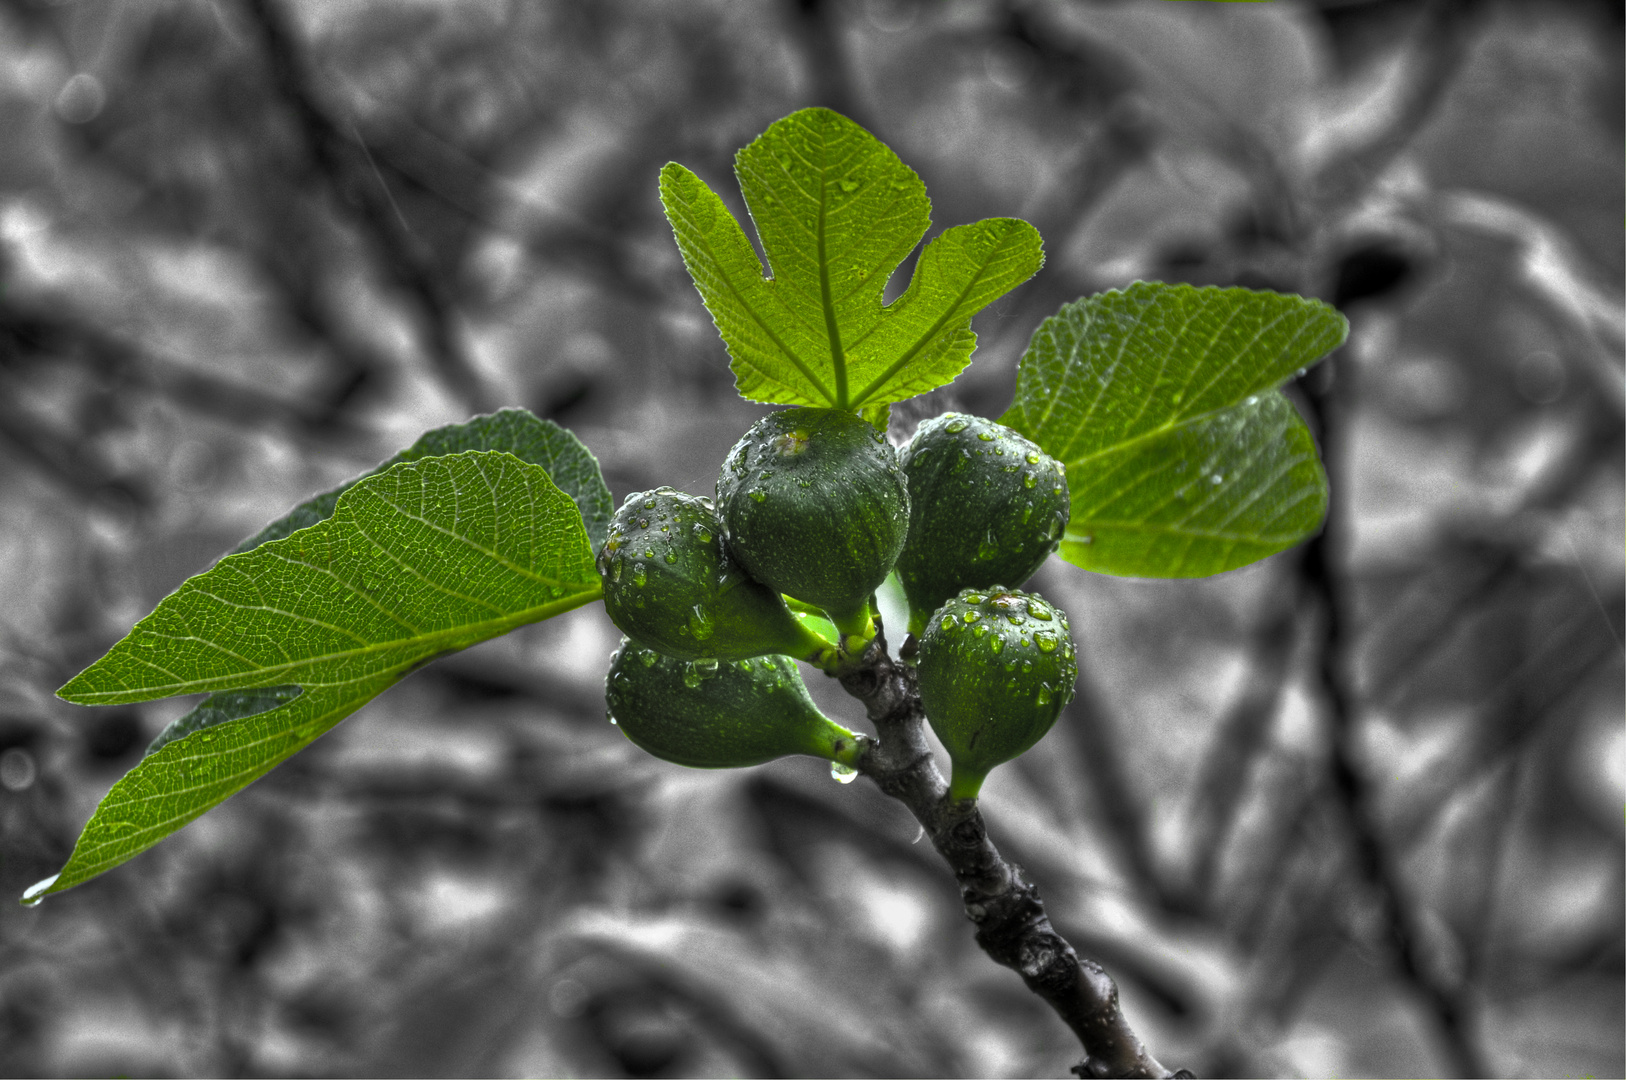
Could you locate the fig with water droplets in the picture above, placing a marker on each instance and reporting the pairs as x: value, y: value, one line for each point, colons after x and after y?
x: 669, y: 584
x: 720, y: 715
x: 815, y: 507
x: 995, y: 668
x: 986, y: 505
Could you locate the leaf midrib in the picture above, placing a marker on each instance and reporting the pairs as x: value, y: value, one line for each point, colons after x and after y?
x: 265, y: 676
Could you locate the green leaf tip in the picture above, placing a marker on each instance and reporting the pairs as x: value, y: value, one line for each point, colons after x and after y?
x: 1183, y: 457
x: 837, y: 212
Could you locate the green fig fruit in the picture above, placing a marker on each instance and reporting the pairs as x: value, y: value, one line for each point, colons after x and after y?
x: 669, y: 584
x: 986, y: 505
x: 995, y: 669
x: 720, y: 715
x: 815, y: 507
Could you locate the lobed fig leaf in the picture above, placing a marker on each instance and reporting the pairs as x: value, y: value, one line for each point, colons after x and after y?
x: 715, y: 715
x: 995, y: 670
x: 815, y: 506
x: 986, y: 505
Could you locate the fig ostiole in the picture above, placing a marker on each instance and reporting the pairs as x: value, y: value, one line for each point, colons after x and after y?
x: 815, y: 507
x: 995, y: 669
x: 710, y: 714
x: 986, y: 506
x: 669, y: 584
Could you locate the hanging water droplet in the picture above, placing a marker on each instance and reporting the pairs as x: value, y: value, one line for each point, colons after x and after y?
x: 842, y: 774
x: 36, y: 892
x: 691, y: 677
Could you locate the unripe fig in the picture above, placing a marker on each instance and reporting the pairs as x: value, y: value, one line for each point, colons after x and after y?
x: 669, y: 584
x: 720, y: 715
x: 986, y: 505
x: 995, y: 670
x: 815, y: 507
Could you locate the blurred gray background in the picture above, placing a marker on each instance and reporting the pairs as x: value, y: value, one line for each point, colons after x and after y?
x: 1354, y: 810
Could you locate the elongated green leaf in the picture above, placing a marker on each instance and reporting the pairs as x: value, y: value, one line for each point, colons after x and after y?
x: 837, y: 212
x: 1183, y: 459
x: 570, y: 465
x: 423, y: 559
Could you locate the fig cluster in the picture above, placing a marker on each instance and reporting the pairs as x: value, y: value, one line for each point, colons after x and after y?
x: 814, y: 509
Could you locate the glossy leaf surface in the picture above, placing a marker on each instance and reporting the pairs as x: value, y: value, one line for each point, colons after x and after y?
x: 570, y: 465
x: 1182, y: 457
x: 837, y: 212
x: 423, y: 559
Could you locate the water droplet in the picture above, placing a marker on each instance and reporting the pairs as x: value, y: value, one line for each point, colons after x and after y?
x: 649, y: 504
x: 643, y: 523
x: 758, y: 495
x: 997, y: 644
x: 1033, y: 459
x: 978, y: 630
x: 36, y: 892
x: 1043, y: 697
x: 986, y: 436
x: 987, y: 549
x: 638, y: 576
x: 972, y: 616
x: 691, y: 677
x: 1030, y: 482
x: 614, y: 721
x: 1045, y: 641
x: 1039, y: 611
x: 954, y: 427
x: 842, y: 774
x: 648, y: 656
x: 1216, y: 479
x: 1057, y: 524
x: 702, y: 534
x: 701, y: 622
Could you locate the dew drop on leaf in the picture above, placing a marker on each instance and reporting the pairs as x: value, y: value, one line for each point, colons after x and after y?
x: 997, y: 644
x: 701, y: 622
x: 1043, y: 697
x: 671, y: 556
x: 954, y: 427
x: 985, y: 436
x: 648, y: 657
x: 1045, y: 641
x: 638, y: 576
x: 702, y: 534
x: 1030, y: 482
